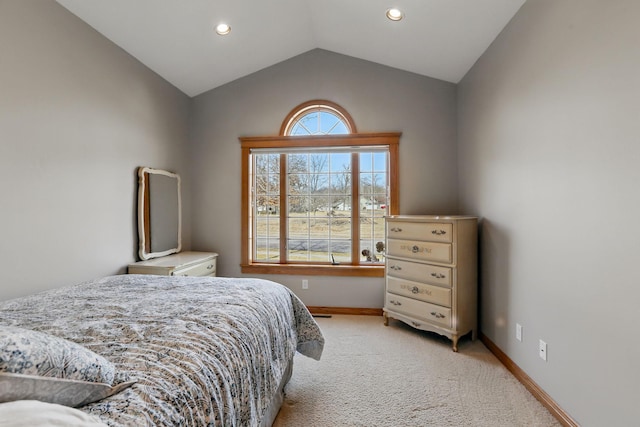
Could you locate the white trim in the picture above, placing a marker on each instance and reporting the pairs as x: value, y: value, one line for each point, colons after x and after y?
x: 141, y: 229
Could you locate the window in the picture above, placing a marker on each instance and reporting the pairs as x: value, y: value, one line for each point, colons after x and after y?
x: 314, y: 198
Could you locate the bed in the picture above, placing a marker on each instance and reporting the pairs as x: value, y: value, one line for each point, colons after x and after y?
x: 184, y: 351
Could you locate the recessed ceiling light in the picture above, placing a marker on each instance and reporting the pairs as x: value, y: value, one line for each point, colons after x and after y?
x: 223, y: 29
x: 395, y: 14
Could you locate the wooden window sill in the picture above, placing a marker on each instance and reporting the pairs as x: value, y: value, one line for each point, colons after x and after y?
x: 315, y: 270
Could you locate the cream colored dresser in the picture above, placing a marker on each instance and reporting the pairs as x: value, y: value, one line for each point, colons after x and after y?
x: 180, y: 264
x: 431, y: 274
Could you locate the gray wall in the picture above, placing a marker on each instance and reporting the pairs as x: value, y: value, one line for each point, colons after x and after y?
x: 547, y: 155
x: 77, y: 116
x: 378, y: 98
x: 549, y: 151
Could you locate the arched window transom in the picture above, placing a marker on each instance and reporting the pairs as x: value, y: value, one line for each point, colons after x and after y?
x: 318, y: 118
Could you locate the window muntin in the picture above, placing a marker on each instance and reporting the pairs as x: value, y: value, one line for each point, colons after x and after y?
x: 318, y: 215
x: 319, y: 122
x: 374, y: 204
x: 317, y: 211
x: 267, y: 205
x: 318, y: 118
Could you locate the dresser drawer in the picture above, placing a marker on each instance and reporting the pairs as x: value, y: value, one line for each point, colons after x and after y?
x: 421, y: 291
x: 419, y: 272
x: 415, y: 308
x: 427, y: 251
x: 434, y: 232
x: 207, y: 268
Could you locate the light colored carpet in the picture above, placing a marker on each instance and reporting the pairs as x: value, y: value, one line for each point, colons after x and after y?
x: 371, y: 375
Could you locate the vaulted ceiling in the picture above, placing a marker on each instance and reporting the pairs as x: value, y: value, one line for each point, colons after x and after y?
x: 177, y: 39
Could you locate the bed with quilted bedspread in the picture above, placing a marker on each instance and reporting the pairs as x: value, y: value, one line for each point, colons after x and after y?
x: 202, y: 351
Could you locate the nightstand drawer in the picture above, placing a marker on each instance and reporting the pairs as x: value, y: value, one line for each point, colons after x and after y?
x: 423, y: 310
x: 420, y: 291
x: 427, y: 251
x: 207, y: 268
x: 433, y: 232
x: 419, y: 272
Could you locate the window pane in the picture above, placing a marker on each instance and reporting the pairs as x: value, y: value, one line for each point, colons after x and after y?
x: 340, y: 162
x: 380, y: 162
x: 297, y: 163
x: 372, y: 238
x: 266, y: 215
x: 372, y: 251
x: 373, y: 205
x: 267, y: 174
x: 319, y: 214
x: 340, y: 227
x: 366, y: 230
x: 267, y: 250
x: 319, y: 228
x: 319, y: 206
x: 318, y: 163
x: 366, y: 162
x: 306, y: 125
x: 320, y: 121
x: 298, y: 205
x: 312, y: 250
x: 328, y: 122
x: 267, y: 233
x: 319, y: 250
x: 340, y: 129
x: 371, y: 183
x: 297, y: 250
x: 341, y: 205
x: 267, y: 205
x: 341, y: 250
x: 273, y: 184
x: 323, y: 205
x: 298, y: 228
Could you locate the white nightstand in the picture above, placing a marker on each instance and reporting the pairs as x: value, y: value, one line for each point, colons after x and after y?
x: 180, y: 264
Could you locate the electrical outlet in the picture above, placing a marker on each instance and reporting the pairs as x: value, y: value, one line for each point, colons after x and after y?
x: 542, y: 350
x: 518, y: 331
x: 305, y: 284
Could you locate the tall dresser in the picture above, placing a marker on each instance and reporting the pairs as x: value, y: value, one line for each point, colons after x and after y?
x: 431, y: 274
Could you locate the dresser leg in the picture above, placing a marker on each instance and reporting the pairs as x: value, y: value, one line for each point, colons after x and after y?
x: 385, y: 318
x: 455, y: 343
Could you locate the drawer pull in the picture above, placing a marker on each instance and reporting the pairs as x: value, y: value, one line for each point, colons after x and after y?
x: 209, y: 267
x: 396, y: 229
x: 415, y: 249
x: 396, y: 267
x: 438, y: 232
x: 394, y: 302
x: 437, y: 315
x: 438, y: 275
x: 415, y: 290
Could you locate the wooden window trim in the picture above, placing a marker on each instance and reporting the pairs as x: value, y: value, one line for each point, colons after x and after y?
x: 303, y: 108
x: 390, y: 139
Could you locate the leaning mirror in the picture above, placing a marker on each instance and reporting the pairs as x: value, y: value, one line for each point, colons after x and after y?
x: 159, y: 213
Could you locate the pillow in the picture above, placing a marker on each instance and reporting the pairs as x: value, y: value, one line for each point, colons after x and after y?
x: 60, y: 391
x: 23, y: 351
x: 29, y: 413
x: 38, y: 366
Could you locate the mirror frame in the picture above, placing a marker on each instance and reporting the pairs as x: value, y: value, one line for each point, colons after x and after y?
x: 144, y: 214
